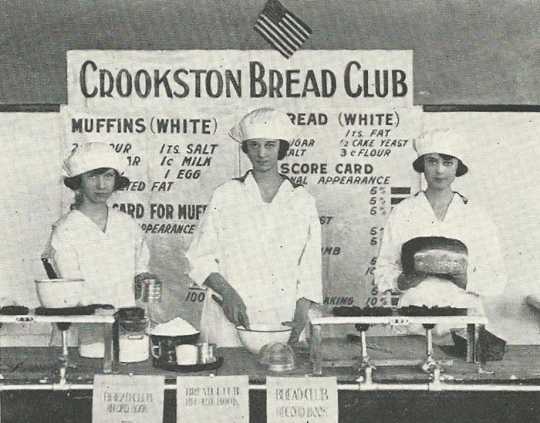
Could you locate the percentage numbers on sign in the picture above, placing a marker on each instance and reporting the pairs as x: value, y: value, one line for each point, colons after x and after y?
x: 377, y: 201
x: 375, y: 233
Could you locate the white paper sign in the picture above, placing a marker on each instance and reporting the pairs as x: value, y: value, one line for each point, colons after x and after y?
x: 212, y: 399
x: 127, y: 399
x: 169, y: 112
x: 301, y: 400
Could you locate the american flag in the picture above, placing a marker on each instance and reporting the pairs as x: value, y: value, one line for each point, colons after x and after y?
x: 281, y: 28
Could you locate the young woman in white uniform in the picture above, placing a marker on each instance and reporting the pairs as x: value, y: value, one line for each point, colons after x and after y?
x: 94, y: 242
x: 440, y: 211
x: 258, y: 245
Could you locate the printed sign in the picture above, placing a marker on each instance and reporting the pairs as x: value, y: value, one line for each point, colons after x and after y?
x: 301, y: 400
x: 127, y: 399
x: 221, y: 399
x: 169, y: 113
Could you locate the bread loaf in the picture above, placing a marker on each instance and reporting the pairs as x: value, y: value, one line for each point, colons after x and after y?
x: 434, y: 256
x: 440, y: 262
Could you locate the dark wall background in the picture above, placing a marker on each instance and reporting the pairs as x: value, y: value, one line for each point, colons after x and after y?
x: 465, y: 52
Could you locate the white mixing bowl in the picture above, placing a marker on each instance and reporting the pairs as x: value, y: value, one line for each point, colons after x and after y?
x: 59, y: 293
x: 258, y: 335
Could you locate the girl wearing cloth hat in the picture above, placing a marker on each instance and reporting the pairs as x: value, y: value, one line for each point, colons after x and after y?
x: 259, y: 244
x: 94, y: 242
x: 441, y: 212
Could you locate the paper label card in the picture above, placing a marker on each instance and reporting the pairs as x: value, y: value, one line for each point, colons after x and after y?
x: 301, y: 400
x: 220, y: 399
x: 127, y: 399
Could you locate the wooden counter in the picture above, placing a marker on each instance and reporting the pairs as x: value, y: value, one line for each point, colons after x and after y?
x: 521, y: 364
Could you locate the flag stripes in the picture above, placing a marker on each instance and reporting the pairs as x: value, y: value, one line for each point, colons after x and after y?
x: 281, y: 28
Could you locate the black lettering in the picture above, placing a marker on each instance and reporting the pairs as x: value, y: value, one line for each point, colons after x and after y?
x: 275, y: 83
x: 381, y: 83
x: 147, y: 83
x: 229, y: 77
x: 347, y: 80
x: 76, y: 125
x: 129, y: 83
x: 399, y: 87
x: 106, y: 83
x: 310, y: 85
x: 83, y: 82
x: 140, y: 127
x: 162, y: 80
x: 328, y: 84
x: 198, y: 73
x: 257, y: 87
x: 219, y: 80
x: 291, y: 81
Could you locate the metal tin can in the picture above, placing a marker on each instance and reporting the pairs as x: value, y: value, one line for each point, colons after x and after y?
x: 211, y: 353
x: 148, y: 290
x: 202, y: 353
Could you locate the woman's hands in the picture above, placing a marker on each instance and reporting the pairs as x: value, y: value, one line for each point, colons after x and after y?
x: 233, y: 305
x: 459, y: 279
x: 300, y: 319
x: 234, y: 308
x: 410, y: 280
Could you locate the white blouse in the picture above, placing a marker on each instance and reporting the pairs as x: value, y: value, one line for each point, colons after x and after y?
x: 414, y: 217
x: 107, y: 260
x: 269, y: 252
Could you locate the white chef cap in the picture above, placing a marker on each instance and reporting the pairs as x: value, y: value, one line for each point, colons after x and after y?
x: 440, y: 141
x: 264, y: 123
x: 90, y: 156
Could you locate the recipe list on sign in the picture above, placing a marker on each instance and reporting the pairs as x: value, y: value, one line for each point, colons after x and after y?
x: 219, y: 399
x: 172, y: 177
x: 301, y: 400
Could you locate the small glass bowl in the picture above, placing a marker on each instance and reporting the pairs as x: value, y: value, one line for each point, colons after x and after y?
x: 277, y: 357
